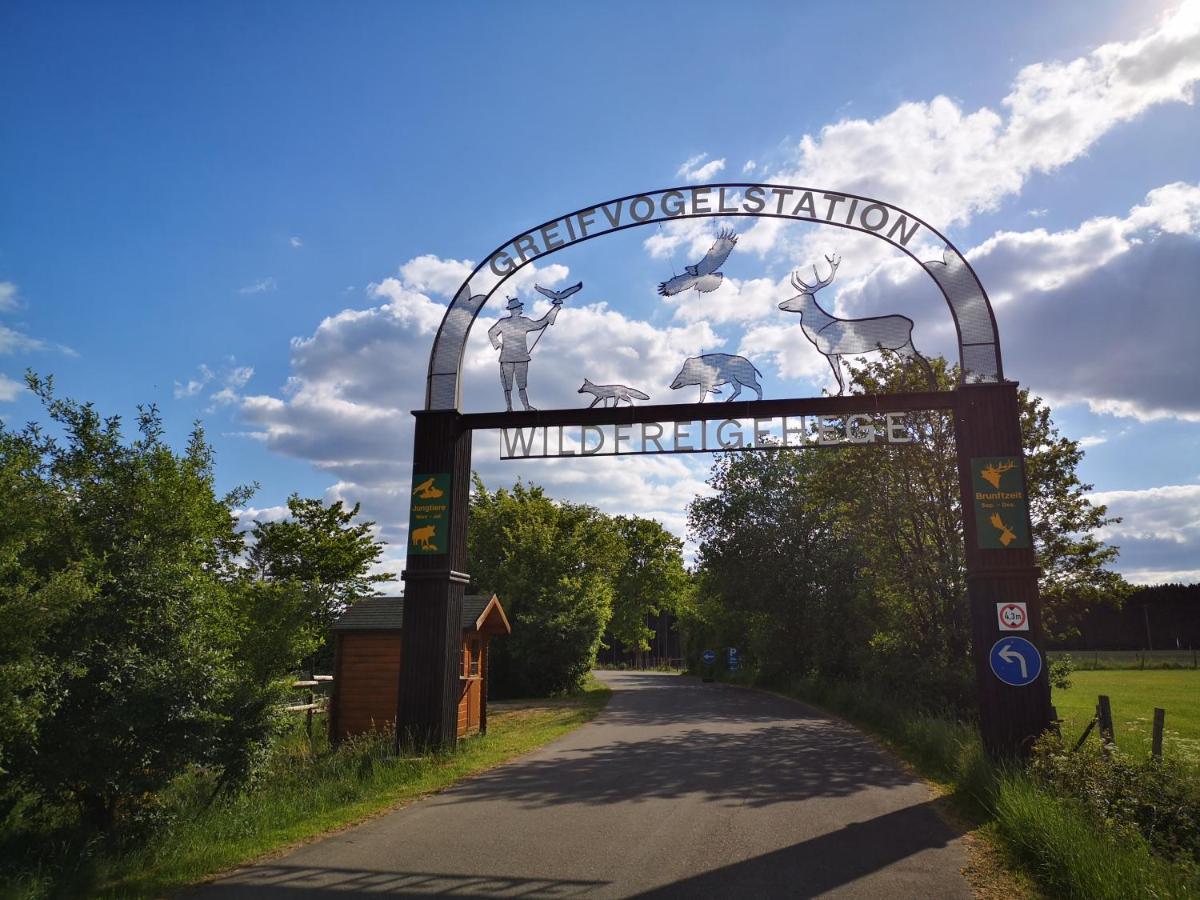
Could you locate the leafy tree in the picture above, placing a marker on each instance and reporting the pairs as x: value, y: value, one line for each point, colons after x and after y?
x: 651, y: 580
x: 322, y: 549
x: 135, y: 653
x: 553, y: 566
x: 868, y: 542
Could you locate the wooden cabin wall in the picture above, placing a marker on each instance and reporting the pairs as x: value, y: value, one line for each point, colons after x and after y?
x: 366, y: 682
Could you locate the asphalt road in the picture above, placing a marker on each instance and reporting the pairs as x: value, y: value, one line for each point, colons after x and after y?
x: 678, y: 789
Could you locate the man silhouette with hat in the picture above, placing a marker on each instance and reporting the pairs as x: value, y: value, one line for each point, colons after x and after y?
x: 509, y: 336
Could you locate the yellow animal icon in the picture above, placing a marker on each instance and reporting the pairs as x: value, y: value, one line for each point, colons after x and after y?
x: 1006, y: 533
x: 423, y: 536
x: 992, y: 473
x: 426, y: 491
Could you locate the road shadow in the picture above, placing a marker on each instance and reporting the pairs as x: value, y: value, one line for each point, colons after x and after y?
x: 759, y: 766
x: 283, y: 882
x: 814, y: 867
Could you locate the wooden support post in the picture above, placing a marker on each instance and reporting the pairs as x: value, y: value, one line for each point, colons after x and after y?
x: 1104, y: 714
x: 987, y: 425
x: 1160, y: 718
x: 435, y: 581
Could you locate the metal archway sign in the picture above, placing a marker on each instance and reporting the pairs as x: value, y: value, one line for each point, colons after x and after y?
x: 978, y: 342
x: 996, y: 525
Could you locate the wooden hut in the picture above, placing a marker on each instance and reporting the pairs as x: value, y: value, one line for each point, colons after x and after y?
x: 368, y: 641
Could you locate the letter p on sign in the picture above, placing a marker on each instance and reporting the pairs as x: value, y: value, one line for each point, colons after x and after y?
x: 1012, y: 616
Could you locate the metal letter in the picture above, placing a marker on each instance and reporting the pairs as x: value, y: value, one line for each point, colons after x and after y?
x: 834, y: 200
x: 781, y: 193
x: 633, y: 209
x: 523, y: 242
x: 508, y: 264
x: 583, y: 433
x: 613, y: 220
x: 586, y: 218
x: 866, y: 435
x: 867, y: 211
x: 676, y: 206
x: 761, y: 435
x: 754, y: 201
x: 658, y: 430
x: 802, y: 431
x: 696, y: 199
x: 904, y: 437
x: 826, y: 435
x: 619, y: 436
x: 806, y: 203
x: 726, y: 443
x: 563, y: 451
x: 511, y: 443
x: 905, y: 236
x: 550, y: 237
x: 680, y: 434
x: 721, y: 207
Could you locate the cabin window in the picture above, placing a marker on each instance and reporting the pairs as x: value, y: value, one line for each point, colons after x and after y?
x: 474, y: 664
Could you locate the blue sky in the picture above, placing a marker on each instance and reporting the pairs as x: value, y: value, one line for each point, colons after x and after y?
x: 251, y: 216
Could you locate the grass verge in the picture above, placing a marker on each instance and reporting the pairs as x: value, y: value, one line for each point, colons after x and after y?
x: 1045, y: 837
x: 306, y: 790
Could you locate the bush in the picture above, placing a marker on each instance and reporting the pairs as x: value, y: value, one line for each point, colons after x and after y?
x: 1155, y: 799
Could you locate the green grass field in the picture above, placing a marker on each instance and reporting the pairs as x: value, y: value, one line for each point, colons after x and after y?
x: 1134, y: 695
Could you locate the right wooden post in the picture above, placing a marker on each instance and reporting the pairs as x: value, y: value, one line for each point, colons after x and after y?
x: 1000, y: 568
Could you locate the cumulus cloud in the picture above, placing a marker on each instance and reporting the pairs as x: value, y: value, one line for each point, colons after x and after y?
x: 355, y: 380
x: 8, y: 296
x: 193, y: 386
x: 695, y: 169
x: 261, y: 286
x: 948, y: 164
x: 295, y: 241
x: 9, y: 388
x: 1103, y: 313
x: 1159, y: 532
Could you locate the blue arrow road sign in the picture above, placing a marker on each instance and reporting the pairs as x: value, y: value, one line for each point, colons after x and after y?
x: 709, y: 657
x: 1015, y: 661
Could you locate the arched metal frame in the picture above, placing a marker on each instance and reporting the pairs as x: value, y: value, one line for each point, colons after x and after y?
x: 974, y: 322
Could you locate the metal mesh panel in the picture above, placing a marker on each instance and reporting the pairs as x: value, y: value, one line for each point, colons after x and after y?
x: 979, y: 363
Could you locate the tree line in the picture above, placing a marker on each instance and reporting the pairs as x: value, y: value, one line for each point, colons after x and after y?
x: 848, y: 565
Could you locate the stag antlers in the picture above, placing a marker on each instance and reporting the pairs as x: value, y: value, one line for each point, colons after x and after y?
x: 801, y: 285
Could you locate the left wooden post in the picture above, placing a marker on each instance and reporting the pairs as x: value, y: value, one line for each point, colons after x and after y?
x: 435, y: 581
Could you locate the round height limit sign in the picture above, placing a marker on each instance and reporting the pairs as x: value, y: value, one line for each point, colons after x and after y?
x: 1012, y: 616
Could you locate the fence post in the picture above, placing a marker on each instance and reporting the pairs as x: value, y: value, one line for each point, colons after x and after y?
x: 1104, y: 713
x: 1160, y: 716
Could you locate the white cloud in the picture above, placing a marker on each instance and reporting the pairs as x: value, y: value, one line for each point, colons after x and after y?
x: 9, y: 388
x: 1104, y: 313
x: 8, y: 296
x: 262, y: 286
x: 346, y: 407
x: 12, y: 341
x: 692, y: 170
x: 295, y: 241
x: 1159, y: 532
x: 193, y: 386
x: 749, y: 166
x: 947, y: 164
x: 1092, y: 440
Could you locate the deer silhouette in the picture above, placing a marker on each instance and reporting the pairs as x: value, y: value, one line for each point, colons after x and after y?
x: 835, y: 337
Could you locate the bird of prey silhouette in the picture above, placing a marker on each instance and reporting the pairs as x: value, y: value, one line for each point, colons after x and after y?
x: 703, y: 276
x: 558, y: 296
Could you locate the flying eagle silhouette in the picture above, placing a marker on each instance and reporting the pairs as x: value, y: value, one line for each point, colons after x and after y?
x: 703, y: 276
x: 558, y: 296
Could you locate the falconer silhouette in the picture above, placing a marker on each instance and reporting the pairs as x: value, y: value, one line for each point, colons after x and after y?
x: 510, y: 336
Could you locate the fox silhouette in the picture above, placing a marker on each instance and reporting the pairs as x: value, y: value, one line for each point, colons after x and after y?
x: 614, y: 392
